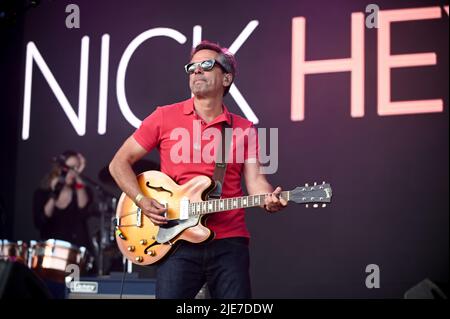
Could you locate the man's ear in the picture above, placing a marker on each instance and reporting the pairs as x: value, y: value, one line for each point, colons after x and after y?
x: 227, y: 79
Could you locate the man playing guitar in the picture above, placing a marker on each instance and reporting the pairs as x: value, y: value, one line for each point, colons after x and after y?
x: 223, y: 263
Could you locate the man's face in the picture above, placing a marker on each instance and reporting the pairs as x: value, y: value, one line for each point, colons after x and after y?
x: 206, y: 83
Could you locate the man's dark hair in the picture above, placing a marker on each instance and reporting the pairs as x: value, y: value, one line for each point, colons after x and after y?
x: 225, y: 58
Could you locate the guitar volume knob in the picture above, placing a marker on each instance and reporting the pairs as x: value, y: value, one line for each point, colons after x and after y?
x: 139, y: 259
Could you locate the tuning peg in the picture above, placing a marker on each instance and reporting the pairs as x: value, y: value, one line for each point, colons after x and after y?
x: 315, y: 183
x: 316, y: 205
x: 306, y: 184
x: 306, y: 205
x: 323, y: 183
x: 324, y: 205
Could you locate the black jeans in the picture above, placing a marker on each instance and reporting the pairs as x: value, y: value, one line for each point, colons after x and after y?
x: 222, y: 263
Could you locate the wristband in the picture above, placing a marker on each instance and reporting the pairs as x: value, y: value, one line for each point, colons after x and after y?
x: 138, y: 198
x: 79, y: 186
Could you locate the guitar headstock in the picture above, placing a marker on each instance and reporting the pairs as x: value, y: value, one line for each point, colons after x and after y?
x: 316, y: 194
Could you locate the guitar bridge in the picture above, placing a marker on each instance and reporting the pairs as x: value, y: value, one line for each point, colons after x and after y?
x: 166, y: 207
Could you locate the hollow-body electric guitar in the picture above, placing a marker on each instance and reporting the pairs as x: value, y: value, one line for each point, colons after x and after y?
x: 143, y: 243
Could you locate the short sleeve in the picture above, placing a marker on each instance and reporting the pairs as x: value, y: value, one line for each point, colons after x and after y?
x: 148, y: 134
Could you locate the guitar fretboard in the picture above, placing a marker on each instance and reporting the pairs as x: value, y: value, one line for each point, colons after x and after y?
x: 225, y: 204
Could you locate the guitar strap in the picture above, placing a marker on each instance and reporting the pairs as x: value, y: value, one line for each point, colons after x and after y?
x: 221, y: 165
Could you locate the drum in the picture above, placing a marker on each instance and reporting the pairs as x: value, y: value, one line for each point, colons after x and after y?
x: 50, y: 258
x: 13, y: 251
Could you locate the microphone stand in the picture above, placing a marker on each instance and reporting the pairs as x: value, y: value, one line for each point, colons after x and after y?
x: 104, y: 200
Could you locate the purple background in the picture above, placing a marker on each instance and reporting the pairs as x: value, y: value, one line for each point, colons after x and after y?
x: 389, y: 174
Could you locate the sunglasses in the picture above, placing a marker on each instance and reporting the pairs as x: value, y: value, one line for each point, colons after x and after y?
x: 206, y: 65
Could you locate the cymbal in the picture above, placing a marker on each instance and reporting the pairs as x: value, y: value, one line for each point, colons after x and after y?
x: 140, y: 166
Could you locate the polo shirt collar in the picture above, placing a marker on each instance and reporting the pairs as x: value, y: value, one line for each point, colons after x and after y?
x: 188, y: 108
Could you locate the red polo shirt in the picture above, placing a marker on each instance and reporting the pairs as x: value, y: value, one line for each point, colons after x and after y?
x: 183, y: 138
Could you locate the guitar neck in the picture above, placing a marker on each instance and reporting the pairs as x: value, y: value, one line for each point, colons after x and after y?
x: 226, y: 204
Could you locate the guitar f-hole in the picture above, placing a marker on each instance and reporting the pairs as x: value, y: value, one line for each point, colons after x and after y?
x: 158, y: 188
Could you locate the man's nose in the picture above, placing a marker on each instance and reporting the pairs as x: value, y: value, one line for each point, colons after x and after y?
x: 198, y: 69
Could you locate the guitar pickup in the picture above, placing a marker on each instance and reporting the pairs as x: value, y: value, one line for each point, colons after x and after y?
x: 184, y: 208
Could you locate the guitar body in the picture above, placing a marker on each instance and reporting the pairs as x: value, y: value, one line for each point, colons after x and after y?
x: 143, y: 243
x: 187, y: 206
